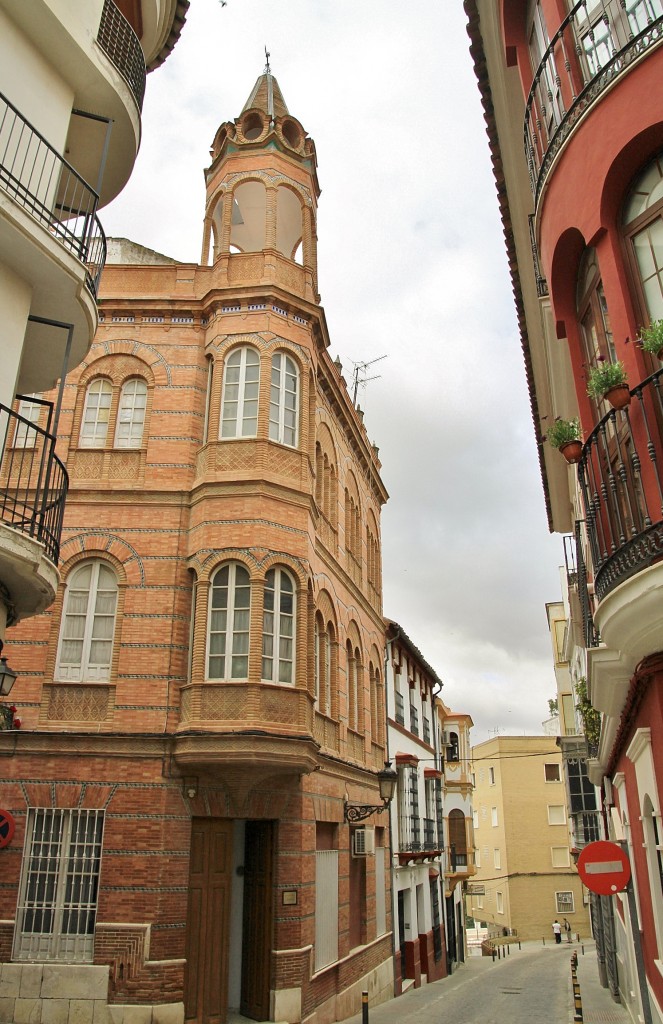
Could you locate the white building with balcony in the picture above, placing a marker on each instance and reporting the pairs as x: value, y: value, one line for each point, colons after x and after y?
x: 425, y: 948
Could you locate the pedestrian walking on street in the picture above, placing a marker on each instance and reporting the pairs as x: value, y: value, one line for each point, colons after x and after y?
x: 567, y: 929
x: 557, y: 930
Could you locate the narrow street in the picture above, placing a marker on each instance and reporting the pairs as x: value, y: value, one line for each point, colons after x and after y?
x: 531, y: 984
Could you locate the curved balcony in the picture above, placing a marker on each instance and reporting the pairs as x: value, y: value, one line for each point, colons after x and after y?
x: 621, y: 478
x: 33, y: 481
x: 120, y: 43
x: 595, y: 44
x: 34, y: 174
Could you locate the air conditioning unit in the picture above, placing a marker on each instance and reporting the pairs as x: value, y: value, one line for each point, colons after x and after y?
x: 363, y: 842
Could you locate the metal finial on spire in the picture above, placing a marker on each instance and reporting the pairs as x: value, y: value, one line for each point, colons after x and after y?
x: 267, y: 70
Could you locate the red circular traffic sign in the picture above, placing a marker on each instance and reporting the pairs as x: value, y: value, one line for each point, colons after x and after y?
x: 7, y: 826
x: 604, y: 868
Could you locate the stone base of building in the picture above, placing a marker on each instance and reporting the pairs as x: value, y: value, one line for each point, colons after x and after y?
x: 71, y: 994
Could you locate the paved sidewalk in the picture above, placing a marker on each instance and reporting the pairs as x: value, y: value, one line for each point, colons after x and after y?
x: 598, y: 1006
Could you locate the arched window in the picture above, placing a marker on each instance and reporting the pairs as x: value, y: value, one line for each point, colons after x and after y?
x: 283, y: 400
x: 228, y: 638
x: 352, y: 659
x: 239, y: 404
x: 325, y: 668
x: 593, y: 316
x: 88, y: 623
x: 96, y: 413
x: 643, y: 225
x: 278, y: 630
x: 131, y: 414
x: 453, y: 750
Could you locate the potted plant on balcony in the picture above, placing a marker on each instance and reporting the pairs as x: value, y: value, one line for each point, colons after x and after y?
x: 609, y: 381
x: 650, y: 339
x: 567, y: 437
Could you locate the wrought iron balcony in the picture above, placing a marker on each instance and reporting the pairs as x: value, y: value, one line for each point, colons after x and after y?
x: 400, y: 708
x: 33, y: 480
x: 45, y: 185
x: 593, y: 46
x: 585, y: 828
x: 120, y: 44
x: 621, y: 478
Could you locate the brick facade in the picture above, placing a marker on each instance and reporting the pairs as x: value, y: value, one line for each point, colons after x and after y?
x: 153, y: 741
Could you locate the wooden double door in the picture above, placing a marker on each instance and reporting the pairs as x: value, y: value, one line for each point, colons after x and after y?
x: 212, y: 939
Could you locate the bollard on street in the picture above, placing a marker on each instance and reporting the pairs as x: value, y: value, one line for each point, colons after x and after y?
x: 364, y: 1008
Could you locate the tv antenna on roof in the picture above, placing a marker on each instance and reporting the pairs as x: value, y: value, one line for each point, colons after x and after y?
x: 361, y: 381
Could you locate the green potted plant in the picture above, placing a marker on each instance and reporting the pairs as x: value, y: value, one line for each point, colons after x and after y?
x: 567, y: 437
x: 650, y: 338
x: 609, y: 381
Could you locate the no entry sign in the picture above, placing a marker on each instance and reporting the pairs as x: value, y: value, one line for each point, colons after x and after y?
x: 604, y: 868
x: 7, y: 826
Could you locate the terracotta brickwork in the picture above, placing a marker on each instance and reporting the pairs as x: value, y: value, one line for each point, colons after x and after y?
x: 159, y: 739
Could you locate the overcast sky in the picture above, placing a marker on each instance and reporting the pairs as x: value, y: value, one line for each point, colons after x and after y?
x: 412, y: 267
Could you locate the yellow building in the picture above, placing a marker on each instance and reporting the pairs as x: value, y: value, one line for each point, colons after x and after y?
x: 521, y: 837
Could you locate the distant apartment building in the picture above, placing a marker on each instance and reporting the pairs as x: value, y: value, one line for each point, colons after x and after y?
x: 523, y: 856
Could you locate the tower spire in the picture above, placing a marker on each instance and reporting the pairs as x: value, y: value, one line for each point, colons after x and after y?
x: 267, y: 70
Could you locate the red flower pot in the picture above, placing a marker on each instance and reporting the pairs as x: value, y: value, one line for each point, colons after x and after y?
x: 619, y: 396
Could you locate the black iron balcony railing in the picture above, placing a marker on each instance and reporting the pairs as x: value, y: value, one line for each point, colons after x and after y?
x: 414, y: 720
x: 33, y: 480
x: 400, y: 708
x: 409, y: 828
x: 431, y: 841
x: 590, y: 632
x: 595, y: 43
x: 621, y: 478
x: 120, y: 44
x: 585, y: 828
x: 45, y: 185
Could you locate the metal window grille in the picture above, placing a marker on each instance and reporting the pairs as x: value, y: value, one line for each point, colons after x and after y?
x: 326, y: 908
x: 400, y: 708
x: 564, y: 901
x: 57, y: 905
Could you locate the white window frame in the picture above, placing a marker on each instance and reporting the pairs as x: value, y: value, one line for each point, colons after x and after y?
x: 491, y: 776
x: 493, y: 817
x: 552, y: 815
x: 96, y: 414
x: 58, y: 891
x: 497, y: 859
x: 86, y: 668
x: 278, y: 646
x: 234, y: 638
x: 499, y: 902
x: 565, y: 902
x: 284, y: 400
x: 24, y: 436
x: 560, y: 857
x: 244, y: 363
x: 130, y: 420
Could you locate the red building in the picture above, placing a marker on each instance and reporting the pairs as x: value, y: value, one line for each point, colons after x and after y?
x: 574, y: 109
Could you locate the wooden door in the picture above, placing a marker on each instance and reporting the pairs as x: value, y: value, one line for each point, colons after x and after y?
x: 258, y: 919
x: 208, y: 921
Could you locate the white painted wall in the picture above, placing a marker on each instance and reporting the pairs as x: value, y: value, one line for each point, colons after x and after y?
x: 15, y: 296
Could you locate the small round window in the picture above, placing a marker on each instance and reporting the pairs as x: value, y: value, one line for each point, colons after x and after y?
x: 252, y: 127
x: 291, y: 133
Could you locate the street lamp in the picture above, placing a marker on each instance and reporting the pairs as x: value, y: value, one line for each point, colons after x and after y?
x: 7, y: 675
x: 387, y: 779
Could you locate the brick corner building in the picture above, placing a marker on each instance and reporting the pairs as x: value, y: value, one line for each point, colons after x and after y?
x: 206, y: 693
